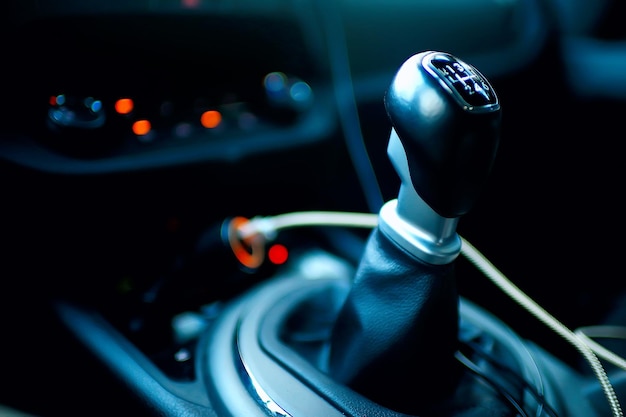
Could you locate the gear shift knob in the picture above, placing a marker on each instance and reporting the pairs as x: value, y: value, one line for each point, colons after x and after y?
x: 446, y: 119
x: 396, y: 335
x: 446, y: 116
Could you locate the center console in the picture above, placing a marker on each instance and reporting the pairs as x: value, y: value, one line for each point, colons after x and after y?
x: 360, y: 314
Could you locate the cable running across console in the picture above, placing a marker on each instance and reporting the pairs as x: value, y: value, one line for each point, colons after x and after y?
x: 605, y: 332
x: 269, y: 226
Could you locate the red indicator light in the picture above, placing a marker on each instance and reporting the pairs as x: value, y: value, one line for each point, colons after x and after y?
x: 141, y: 127
x: 53, y: 100
x: 173, y: 224
x: 211, y: 119
x: 124, y: 105
x: 190, y: 4
x: 278, y: 254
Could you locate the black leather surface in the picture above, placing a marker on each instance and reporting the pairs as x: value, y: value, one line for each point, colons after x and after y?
x: 395, y: 337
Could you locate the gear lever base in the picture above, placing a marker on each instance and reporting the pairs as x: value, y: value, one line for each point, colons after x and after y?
x: 282, y: 363
x: 397, y: 331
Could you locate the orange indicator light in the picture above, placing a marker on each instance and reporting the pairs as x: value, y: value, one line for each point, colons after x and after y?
x: 141, y: 127
x: 124, y: 105
x: 211, y: 119
x: 248, y: 251
x: 278, y: 254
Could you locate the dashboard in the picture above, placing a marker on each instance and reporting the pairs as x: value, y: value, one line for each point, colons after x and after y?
x: 170, y: 69
x: 132, y: 133
x: 177, y: 61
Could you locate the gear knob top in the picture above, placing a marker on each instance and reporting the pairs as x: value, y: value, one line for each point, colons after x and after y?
x: 446, y: 116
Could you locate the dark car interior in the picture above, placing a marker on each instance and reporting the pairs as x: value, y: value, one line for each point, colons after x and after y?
x: 312, y: 208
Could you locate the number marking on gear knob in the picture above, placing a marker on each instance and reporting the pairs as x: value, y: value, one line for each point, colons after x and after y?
x: 464, y: 82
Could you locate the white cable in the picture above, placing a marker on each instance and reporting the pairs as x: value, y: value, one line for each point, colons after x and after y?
x: 269, y: 226
x: 611, y: 332
x: 483, y: 264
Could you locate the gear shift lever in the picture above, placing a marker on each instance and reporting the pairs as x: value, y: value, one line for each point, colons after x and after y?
x: 396, y: 335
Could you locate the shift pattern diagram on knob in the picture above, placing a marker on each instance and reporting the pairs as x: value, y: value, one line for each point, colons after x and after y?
x: 466, y: 83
